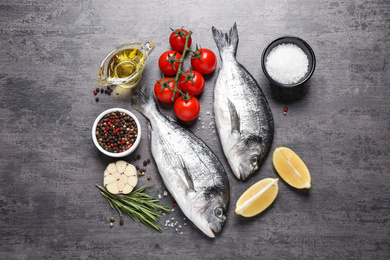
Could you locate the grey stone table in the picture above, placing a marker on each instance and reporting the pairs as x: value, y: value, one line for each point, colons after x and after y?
x: 50, y: 52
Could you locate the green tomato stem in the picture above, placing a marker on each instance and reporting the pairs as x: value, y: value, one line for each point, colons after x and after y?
x: 179, y: 70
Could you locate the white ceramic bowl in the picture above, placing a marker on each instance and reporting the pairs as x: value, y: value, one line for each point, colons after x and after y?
x: 305, y: 48
x: 128, y: 151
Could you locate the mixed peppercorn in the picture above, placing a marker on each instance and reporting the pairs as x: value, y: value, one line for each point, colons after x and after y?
x: 116, y: 132
x: 142, y: 170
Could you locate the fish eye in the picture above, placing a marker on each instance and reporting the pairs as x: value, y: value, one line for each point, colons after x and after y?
x: 254, y: 160
x: 219, y: 212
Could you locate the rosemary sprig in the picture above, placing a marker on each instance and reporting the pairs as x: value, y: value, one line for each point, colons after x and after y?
x: 138, y: 205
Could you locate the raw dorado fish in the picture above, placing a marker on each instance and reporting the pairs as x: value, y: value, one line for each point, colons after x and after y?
x: 243, y: 117
x: 190, y: 170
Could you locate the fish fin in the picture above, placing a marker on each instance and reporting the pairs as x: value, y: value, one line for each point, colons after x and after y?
x: 150, y: 130
x: 171, y: 119
x: 234, y: 118
x: 188, y: 180
x: 226, y: 42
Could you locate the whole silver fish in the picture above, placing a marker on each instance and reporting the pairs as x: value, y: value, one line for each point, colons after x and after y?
x: 190, y: 170
x: 243, y: 117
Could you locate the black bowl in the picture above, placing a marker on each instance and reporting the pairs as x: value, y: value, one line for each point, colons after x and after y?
x: 301, y: 44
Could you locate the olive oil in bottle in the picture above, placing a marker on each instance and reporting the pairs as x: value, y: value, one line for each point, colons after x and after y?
x: 125, y: 63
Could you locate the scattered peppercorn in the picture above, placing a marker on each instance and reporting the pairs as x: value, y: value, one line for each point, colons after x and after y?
x: 121, y: 222
x: 97, y: 89
x: 111, y: 224
x: 145, y: 163
x: 149, y: 177
x: 117, y: 93
x: 95, y: 92
x: 148, y: 160
x: 137, y: 167
x: 101, y: 90
x: 138, y: 156
x: 112, y: 219
x: 285, y: 109
x: 111, y: 90
x: 97, y: 99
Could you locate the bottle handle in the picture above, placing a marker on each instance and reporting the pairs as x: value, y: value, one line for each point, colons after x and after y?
x: 149, y: 46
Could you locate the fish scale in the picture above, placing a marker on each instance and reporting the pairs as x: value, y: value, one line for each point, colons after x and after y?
x: 243, y: 117
x: 189, y: 169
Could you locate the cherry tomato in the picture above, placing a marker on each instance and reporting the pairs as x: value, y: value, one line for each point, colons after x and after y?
x: 186, y: 110
x: 165, y: 66
x: 193, y: 88
x: 177, y: 39
x: 165, y: 94
x: 208, y: 62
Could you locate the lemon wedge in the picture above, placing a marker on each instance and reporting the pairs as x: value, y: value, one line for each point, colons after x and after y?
x: 257, y: 198
x: 291, y: 168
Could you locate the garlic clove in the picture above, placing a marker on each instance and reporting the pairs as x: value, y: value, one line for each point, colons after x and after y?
x: 111, y: 168
x: 121, y: 185
x: 113, y: 187
x: 123, y: 178
x: 132, y: 181
x: 120, y: 166
x: 130, y: 170
x: 127, y: 189
x: 109, y: 179
x: 117, y: 175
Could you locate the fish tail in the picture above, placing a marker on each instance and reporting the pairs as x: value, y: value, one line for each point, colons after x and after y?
x: 143, y: 101
x: 226, y: 42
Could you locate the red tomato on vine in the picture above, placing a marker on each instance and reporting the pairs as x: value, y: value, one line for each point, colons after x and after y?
x: 177, y: 39
x: 204, y: 61
x: 163, y: 89
x: 186, y: 110
x: 165, y: 62
x: 192, y: 88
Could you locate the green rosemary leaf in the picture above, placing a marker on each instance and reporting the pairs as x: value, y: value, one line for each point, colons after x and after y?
x: 112, y: 206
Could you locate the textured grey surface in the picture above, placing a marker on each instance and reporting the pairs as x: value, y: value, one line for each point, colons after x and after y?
x: 50, y: 52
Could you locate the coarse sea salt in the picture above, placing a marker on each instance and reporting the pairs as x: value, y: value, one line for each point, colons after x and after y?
x: 287, y: 63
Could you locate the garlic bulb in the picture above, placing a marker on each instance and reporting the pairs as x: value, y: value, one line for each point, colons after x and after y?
x: 120, y: 177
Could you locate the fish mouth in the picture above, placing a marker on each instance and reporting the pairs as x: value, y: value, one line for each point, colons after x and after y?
x: 240, y: 173
x: 235, y: 165
x: 209, y: 231
x: 216, y: 228
x: 202, y: 224
x: 237, y: 172
x: 205, y: 227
